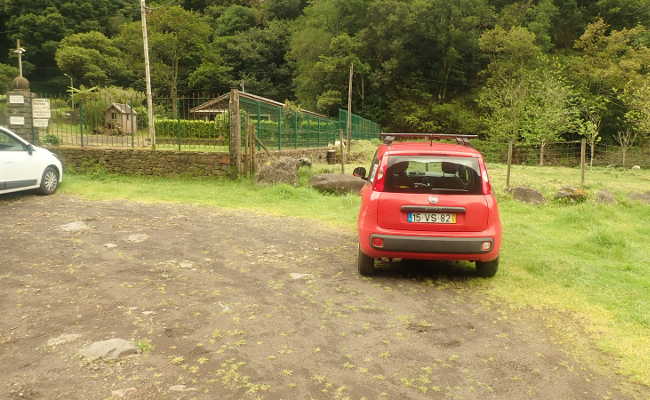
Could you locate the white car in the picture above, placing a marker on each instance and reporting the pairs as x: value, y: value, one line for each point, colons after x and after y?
x: 24, y: 166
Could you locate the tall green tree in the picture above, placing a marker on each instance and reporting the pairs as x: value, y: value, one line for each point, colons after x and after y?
x: 92, y: 59
x: 177, y: 39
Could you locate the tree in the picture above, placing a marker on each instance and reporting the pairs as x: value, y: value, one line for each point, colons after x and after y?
x: 513, y: 57
x: 549, y: 111
x: 92, y: 59
x: 177, y: 38
x: 7, y: 75
x: 591, y: 109
x: 636, y: 99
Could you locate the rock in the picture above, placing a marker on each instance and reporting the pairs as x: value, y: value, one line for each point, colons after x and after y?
x: 63, y: 339
x: 123, y: 393
x: 137, y: 238
x: 642, y: 197
x: 337, y: 183
x: 527, y: 195
x: 605, y: 197
x: 636, y: 167
x: 74, y: 227
x: 283, y: 170
x: 111, y: 349
x: 296, y: 276
x: 110, y: 245
x: 304, y: 162
x: 181, y: 388
x: 570, y: 194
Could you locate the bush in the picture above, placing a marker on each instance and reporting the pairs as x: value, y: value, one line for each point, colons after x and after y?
x: 51, y: 140
x: 195, y: 129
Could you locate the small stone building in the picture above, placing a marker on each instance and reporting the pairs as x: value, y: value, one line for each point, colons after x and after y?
x: 120, y: 119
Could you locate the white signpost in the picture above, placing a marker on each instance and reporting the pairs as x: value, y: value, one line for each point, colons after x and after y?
x: 16, y: 99
x: 16, y: 121
x: 41, y: 109
x: 41, y: 122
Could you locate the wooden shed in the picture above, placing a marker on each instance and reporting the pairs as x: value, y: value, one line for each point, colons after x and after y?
x: 121, y: 119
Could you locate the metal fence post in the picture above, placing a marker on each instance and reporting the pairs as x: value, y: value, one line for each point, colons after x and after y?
x: 81, y: 123
x: 280, y: 130
x: 583, y: 160
x: 259, y: 125
x: 510, y: 148
x: 295, y: 139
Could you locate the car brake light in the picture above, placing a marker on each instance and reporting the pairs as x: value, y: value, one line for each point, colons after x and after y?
x: 377, y: 242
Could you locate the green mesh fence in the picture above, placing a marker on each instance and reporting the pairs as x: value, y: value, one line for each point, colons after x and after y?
x: 281, y: 128
x: 361, y: 128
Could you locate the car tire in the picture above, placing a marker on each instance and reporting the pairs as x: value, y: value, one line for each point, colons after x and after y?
x: 49, y: 181
x: 487, y: 269
x: 366, y: 264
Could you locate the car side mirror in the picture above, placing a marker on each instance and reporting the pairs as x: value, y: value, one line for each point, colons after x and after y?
x: 359, y: 172
x: 30, y: 149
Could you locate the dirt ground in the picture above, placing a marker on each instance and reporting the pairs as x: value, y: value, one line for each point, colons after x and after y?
x: 234, y: 305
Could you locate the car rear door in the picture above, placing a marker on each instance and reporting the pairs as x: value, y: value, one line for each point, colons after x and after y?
x: 433, y: 194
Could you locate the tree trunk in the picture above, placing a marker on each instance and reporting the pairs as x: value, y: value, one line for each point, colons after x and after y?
x: 624, y: 150
x: 591, y: 155
x: 541, y: 154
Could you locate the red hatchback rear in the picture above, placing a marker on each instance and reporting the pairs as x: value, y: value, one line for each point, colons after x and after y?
x: 428, y: 201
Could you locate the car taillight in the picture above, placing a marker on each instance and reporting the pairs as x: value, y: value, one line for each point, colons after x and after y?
x: 487, y: 186
x: 377, y: 242
x: 379, y: 181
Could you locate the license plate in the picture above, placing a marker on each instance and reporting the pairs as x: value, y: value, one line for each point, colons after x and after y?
x: 432, y: 218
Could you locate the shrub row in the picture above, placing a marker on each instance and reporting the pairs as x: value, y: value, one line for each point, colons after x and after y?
x: 183, y: 128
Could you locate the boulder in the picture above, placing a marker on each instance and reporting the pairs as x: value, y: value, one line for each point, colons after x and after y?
x: 636, y: 167
x: 642, y: 197
x: 570, y: 194
x: 605, y: 197
x: 283, y: 170
x: 111, y: 349
x: 527, y: 195
x: 337, y: 183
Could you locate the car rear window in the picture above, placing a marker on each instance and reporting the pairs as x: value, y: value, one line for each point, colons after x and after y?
x: 433, y: 174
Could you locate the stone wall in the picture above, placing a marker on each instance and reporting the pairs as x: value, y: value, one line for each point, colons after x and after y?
x: 161, y: 163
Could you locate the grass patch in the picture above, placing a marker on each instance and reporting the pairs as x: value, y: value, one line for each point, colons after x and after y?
x: 590, y: 259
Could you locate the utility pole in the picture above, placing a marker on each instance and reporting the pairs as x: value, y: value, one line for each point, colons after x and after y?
x: 350, y: 109
x: 19, y: 51
x: 145, y: 40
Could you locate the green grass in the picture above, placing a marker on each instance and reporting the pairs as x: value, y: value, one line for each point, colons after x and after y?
x: 589, y: 259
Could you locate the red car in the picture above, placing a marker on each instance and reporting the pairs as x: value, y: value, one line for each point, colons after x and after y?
x: 428, y: 201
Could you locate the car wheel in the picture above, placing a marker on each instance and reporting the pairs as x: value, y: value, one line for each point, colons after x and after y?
x: 366, y: 264
x: 487, y: 269
x: 49, y: 181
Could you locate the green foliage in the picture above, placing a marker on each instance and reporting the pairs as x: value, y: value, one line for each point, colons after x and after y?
x: 92, y: 59
x: 7, y: 75
x: 195, y: 129
x: 51, y: 140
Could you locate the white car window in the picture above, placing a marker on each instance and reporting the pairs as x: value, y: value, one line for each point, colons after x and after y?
x: 9, y: 143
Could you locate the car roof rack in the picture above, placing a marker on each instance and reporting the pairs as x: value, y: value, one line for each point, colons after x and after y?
x: 389, y: 138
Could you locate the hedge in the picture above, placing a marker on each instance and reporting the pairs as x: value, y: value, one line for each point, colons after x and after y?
x: 174, y: 128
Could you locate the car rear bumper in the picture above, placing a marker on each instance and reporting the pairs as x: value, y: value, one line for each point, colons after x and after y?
x: 441, y: 245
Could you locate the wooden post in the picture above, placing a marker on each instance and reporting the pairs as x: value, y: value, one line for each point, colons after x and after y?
x: 510, y: 148
x: 583, y: 161
x: 342, y: 139
x: 235, y: 133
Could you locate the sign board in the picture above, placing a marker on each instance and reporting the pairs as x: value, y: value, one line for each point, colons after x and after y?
x: 16, y: 99
x: 41, y: 108
x: 16, y: 121
x: 41, y: 122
